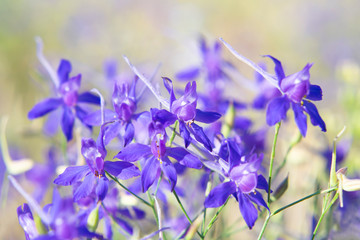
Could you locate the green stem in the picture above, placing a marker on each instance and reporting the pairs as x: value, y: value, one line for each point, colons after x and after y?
x: 182, y: 207
x: 323, y: 214
x: 173, y: 133
x: 292, y: 145
x: 264, y: 226
x: 214, y: 218
x: 303, y: 199
x: 135, y: 195
x: 153, y: 207
x: 207, y: 191
x: 158, y: 184
x: 290, y: 205
x: 272, y: 157
x: 184, y: 211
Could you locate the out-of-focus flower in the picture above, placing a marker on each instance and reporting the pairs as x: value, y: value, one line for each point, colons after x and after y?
x: 26, y: 221
x: 346, y: 184
x: 67, y: 98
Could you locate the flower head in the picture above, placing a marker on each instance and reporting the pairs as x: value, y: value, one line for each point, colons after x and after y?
x: 243, y: 180
x: 298, y: 93
x: 68, y: 98
x: 94, y: 172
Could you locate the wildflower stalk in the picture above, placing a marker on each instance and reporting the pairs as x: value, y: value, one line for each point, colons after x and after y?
x: 272, y: 157
x: 323, y: 212
x: 213, y: 219
x: 332, y: 182
x: 292, y: 145
x: 184, y: 211
x: 207, y: 191
x: 173, y: 135
x: 292, y: 204
x: 153, y: 207
x: 128, y: 190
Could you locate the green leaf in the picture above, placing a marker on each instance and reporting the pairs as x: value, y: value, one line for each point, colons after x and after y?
x: 281, y: 189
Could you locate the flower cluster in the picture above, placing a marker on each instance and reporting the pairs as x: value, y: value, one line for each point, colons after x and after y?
x: 197, y: 145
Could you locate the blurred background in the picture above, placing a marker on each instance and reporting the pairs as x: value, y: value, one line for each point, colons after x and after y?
x: 323, y: 32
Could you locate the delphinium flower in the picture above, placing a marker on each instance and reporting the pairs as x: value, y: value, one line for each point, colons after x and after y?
x: 298, y: 93
x: 243, y: 179
x: 58, y: 220
x: 119, y: 123
x: 26, y: 221
x: 68, y: 98
x: 95, y: 213
x: 212, y: 66
x: 94, y: 172
x: 155, y: 157
x: 267, y: 90
x: 41, y: 175
x: 186, y: 113
x: 215, y: 78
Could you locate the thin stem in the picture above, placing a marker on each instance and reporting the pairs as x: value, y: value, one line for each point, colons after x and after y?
x: 184, y: 211
x: 323, y: 214
x: 134, y: 194
x: 214, y: 218
x: 182, y: 207
x: 290, y: 205
x: 173, y: 133
x: 153, y: 208
x: 207, y: 191
x: 292, y: 145
x: 272, y: 157
x: 158, y: 184
x: 264, y: 226
x: 303, y: 199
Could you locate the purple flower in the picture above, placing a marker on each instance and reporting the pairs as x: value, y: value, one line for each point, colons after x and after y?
x: 118, y: 122
x: 211, y: 66
x: 267, y: 91
x: 26, y: 221
x: 215, y: 77
x: 297, y: 92
x: 94, y: 172
x: 185, y: 111
x: 242, y: 172
x: 156, y: 156
x: 67, y: 98
x: 42, y: 174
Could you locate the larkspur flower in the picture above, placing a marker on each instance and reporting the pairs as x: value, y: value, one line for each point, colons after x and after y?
x: 119, y: 123
x: 242, y: 173
x: 212, y: 65
x: 107, y: 212
x: 26, y: 221
x: 298, y: 93
x: 156, y: 156
x: 186, y: 112
x: 42, y: 174
x: 296, y: 90
x: 67, y: 98
x: 267, y: 90
x: 94, y: 172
